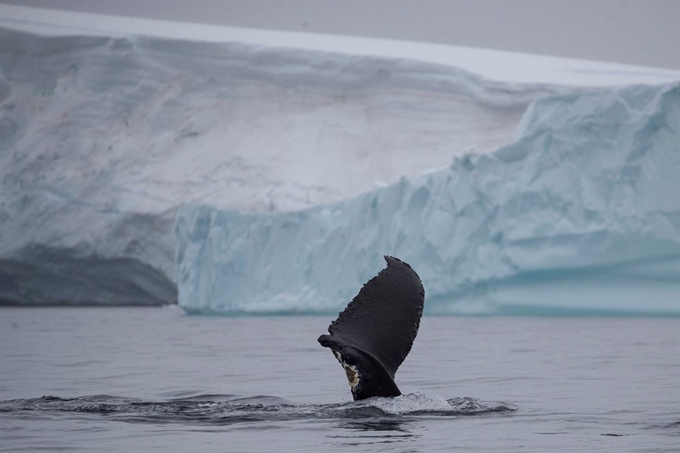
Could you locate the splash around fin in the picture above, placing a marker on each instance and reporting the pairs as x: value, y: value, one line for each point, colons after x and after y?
x: 374, y: 334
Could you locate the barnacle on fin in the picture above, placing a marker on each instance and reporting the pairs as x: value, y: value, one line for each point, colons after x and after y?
x: 352, y: 375
x: 350, y: 370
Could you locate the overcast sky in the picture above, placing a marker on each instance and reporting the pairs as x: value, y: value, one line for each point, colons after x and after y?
x: 645, y: 32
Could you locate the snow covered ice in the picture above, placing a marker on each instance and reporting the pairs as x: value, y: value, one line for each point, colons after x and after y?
x: 107, y: 125
x: 102, y: 138
x: 580, y: 214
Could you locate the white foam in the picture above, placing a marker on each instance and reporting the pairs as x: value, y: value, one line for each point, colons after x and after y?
x: 410, y: 403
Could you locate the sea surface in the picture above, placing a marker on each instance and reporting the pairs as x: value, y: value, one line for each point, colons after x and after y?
x: 156, y: 379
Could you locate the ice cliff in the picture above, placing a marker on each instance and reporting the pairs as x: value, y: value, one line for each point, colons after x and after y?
x: 102, y: 137
x: 580, y: 214
x: 108, y: 124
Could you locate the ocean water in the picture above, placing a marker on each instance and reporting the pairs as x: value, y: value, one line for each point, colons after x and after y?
x: 155, y: 379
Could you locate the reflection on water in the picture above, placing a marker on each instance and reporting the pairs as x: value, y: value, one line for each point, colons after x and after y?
x: 381, y: 430
x: 397, y: 424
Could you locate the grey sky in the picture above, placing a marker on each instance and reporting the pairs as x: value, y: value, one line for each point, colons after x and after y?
x: 645, y: 32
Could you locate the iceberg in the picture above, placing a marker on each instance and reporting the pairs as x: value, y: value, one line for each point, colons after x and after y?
x: 103, y: 136
x: 580, y: 214
x: 109, y: 124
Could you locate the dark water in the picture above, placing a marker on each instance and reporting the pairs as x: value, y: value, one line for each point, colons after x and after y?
x: 132, y: 379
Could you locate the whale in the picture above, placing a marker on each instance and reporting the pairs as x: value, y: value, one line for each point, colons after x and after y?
x: 375, y: 332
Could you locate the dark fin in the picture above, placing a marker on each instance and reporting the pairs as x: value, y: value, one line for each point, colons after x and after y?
x: 375, y: 332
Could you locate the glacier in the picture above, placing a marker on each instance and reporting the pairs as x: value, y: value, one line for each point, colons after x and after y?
x: 103, y: 136
x: 108, y: 125
x: 579, y: 214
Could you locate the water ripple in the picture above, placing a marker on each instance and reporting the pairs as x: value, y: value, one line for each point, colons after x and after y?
x: 229, y: 409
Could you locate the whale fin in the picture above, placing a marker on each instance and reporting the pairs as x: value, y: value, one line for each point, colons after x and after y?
x: 374, y: 334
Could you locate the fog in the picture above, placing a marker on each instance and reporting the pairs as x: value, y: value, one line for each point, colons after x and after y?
x: 643, y: 32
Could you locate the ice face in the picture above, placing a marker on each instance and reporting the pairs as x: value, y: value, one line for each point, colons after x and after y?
x: 102, y: 137
x: 581, y: 214
x: 104, y: 133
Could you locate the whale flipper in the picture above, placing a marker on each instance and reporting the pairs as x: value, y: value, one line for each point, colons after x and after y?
x: 374, y: 334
